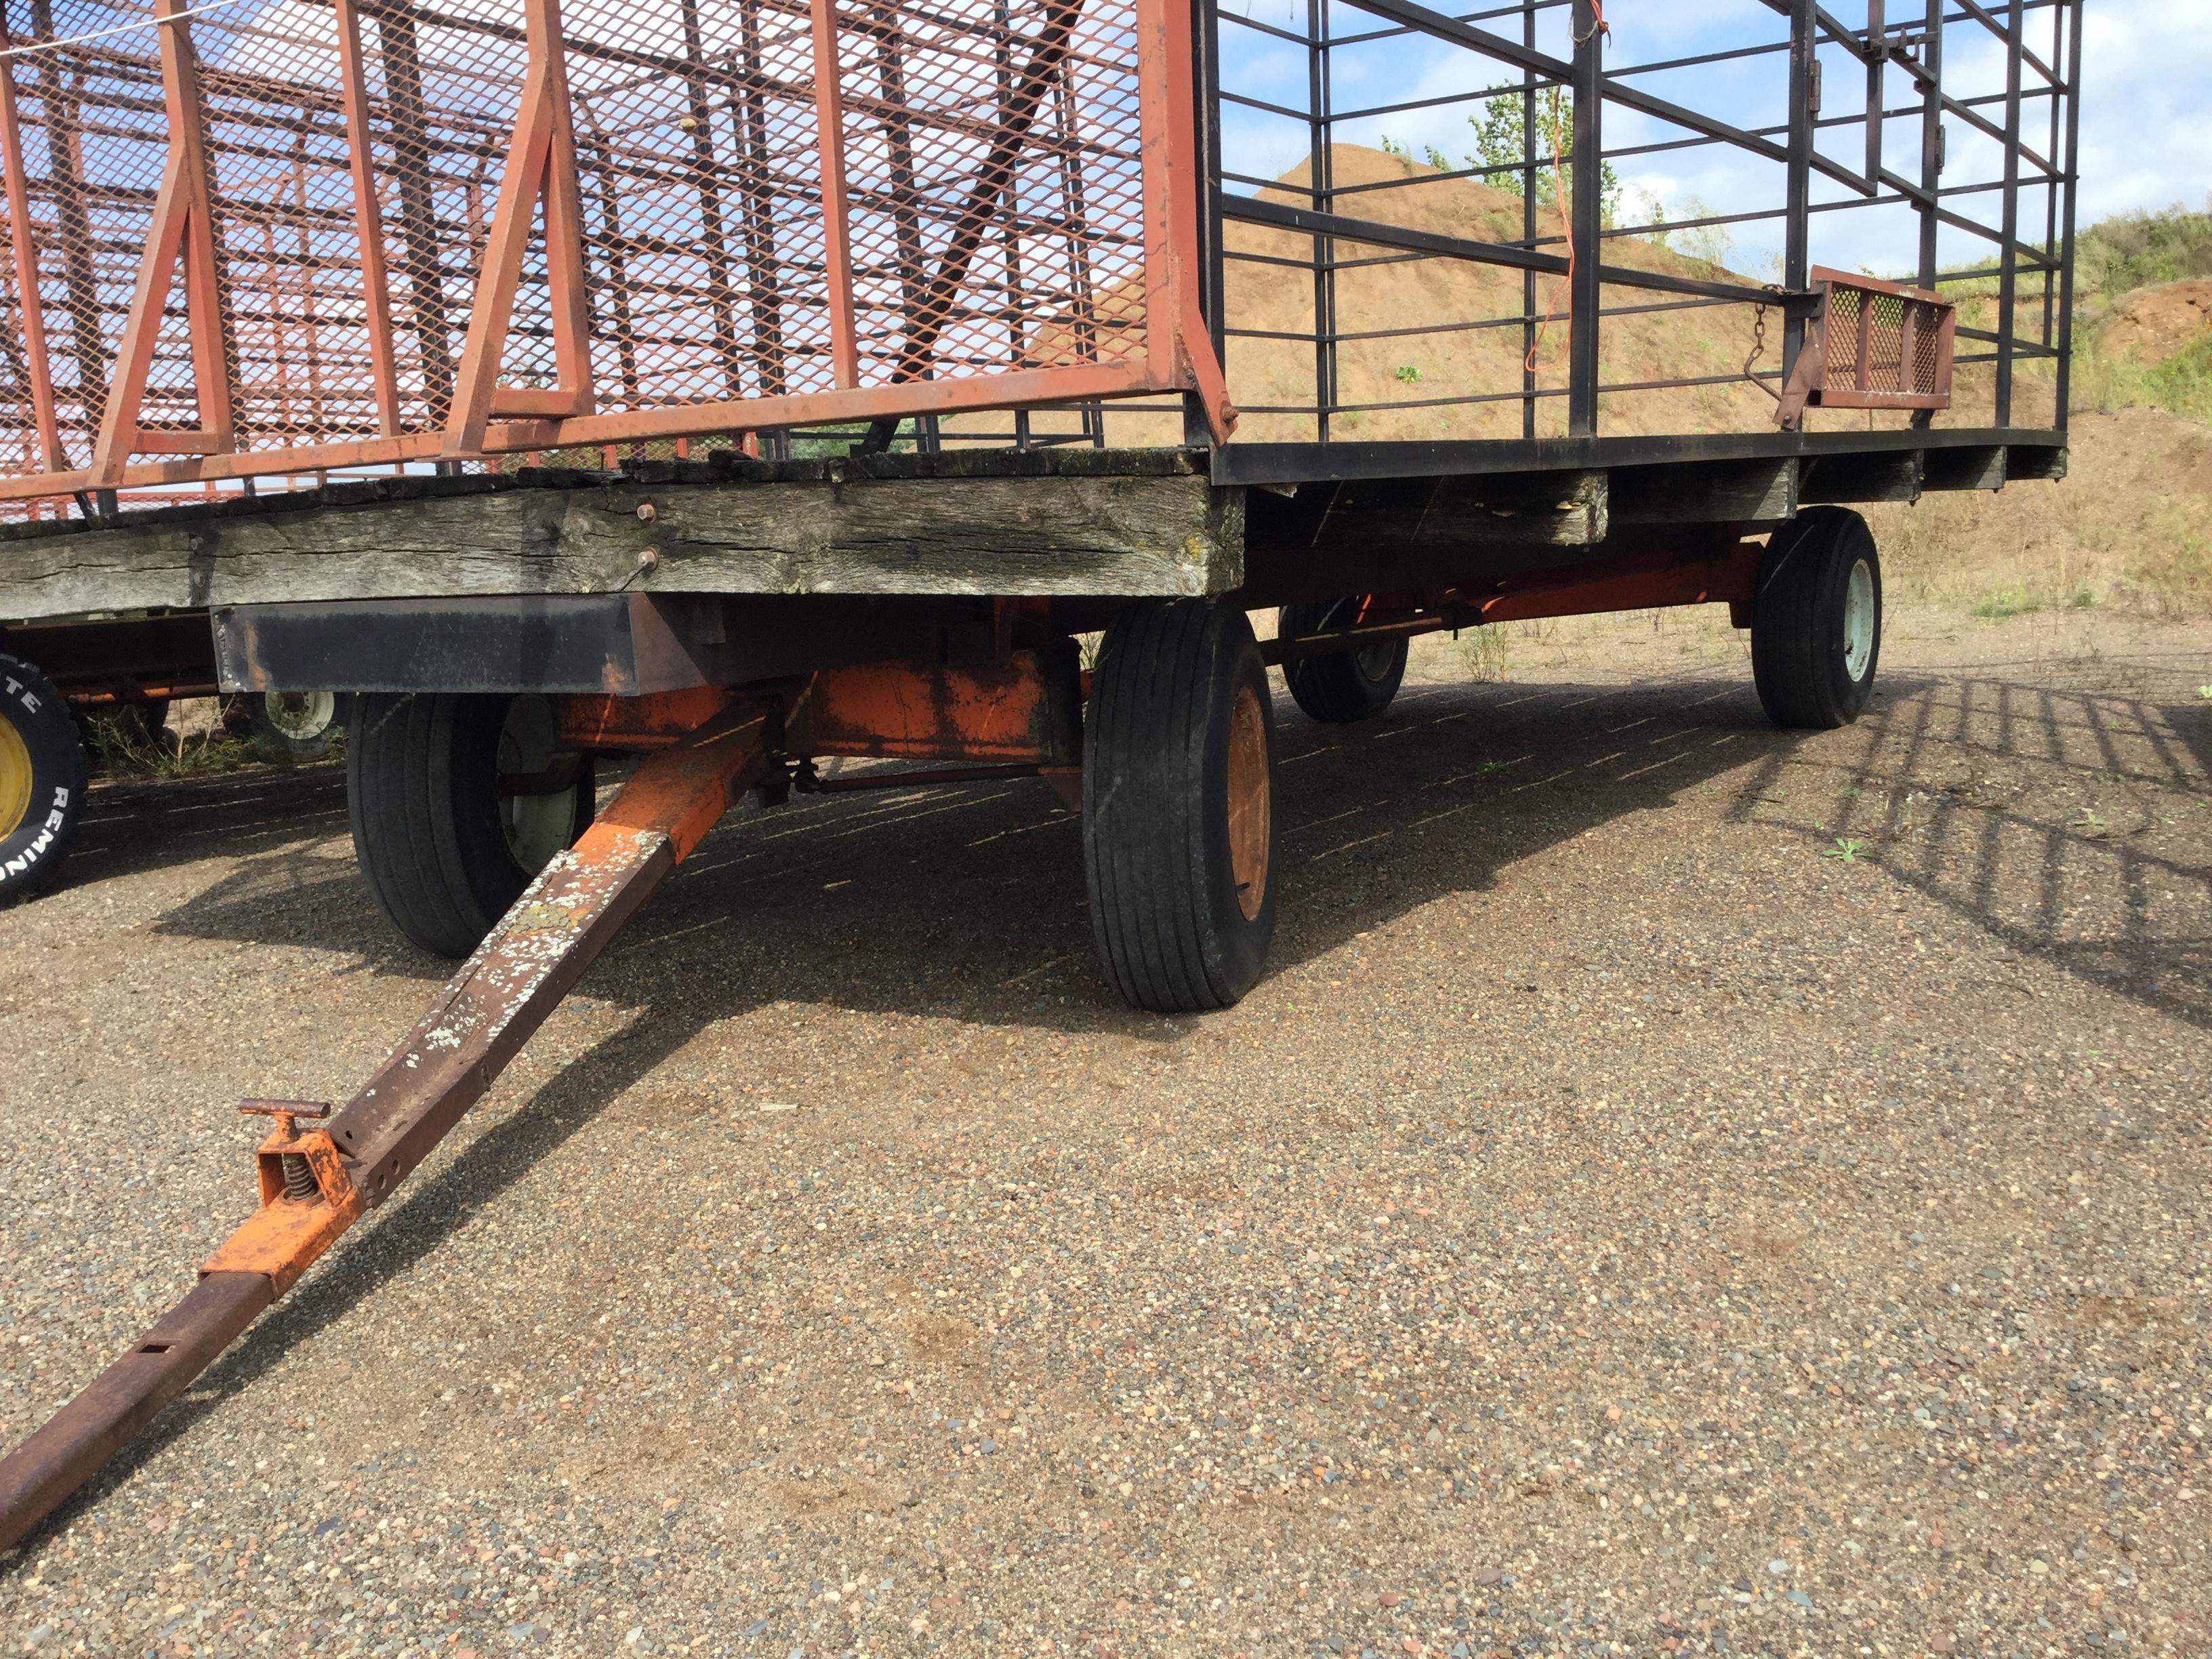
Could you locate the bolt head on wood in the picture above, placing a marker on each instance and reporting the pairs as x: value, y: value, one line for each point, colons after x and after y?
x: 646, y: 512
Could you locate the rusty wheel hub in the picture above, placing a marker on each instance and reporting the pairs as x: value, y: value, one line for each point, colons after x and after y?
x: 1248, y: 803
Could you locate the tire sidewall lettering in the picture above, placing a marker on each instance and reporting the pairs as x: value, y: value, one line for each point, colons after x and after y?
x: 31, y: 854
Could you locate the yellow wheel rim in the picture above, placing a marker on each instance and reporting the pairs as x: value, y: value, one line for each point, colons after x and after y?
x: 14, y: 777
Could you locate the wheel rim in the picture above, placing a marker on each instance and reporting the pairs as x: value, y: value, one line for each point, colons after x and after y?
x: 14, y: 778
x: 536, y: 826
x: 1249, y: 804
x: 302, y: 716
x: 1858, y: 620
x: 1375, y: 661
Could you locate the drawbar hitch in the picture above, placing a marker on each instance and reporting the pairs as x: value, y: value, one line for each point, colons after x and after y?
x: 317, y: 1181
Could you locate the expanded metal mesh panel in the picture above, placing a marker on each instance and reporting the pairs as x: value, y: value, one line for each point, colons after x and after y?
x: 93, y: 138
x: 992, y: 165
x: 1882, y: 344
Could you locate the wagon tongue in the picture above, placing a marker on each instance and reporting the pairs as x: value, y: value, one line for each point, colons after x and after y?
x: 316, y: 1182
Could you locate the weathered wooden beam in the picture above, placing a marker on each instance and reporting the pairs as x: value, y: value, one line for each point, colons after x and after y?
x: 1051, y: 535
x: 1357, y: 516
x: 1373, y: 535
x: 1979, y: 468
x: 1710, y: 492
x: 1873, y: 477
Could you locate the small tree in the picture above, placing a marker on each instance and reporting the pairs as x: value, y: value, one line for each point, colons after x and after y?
x: 1498, y: 133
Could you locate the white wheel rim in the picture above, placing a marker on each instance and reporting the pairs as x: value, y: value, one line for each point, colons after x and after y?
x: 1859, y: 618
x: 301, y: 716
x: 536, y: 826
x: 1374, y: 661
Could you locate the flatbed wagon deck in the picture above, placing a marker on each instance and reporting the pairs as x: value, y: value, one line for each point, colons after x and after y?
x: 961, y: 377
x: 1070, y: 523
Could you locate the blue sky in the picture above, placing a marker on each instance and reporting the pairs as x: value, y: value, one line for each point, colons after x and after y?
x: 2146, y: 123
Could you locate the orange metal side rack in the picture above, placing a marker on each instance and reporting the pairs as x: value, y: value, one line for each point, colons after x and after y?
x: 374, y: 233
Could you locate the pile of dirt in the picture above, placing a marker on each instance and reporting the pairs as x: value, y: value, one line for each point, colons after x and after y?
x: 2152, y: 323
x: 1433, y: 347
x: 1414, y: 333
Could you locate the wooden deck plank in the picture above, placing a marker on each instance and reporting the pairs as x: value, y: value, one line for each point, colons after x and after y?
x: 1051, y: 533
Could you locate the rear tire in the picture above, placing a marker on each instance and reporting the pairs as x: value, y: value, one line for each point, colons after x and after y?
x: 444, y: 850
x: 42, y: 779
x: 1178, y: 825
x: 1345, y: 685
x: 1816, y: 620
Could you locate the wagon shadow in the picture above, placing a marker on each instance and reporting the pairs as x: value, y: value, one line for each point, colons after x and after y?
x: 915, y: 904
x: 968, y: 903
x: 128, y: 826
x: 2060, y: 821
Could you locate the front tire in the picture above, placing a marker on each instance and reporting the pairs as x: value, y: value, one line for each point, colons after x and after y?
x: 42, y: 779
x: 1178, y: 819
x: 1816, y: 620
x: 1343, y: 686
x: 456, y: 802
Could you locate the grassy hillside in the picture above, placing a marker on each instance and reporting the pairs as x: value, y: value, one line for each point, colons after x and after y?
x: 2132, y: 525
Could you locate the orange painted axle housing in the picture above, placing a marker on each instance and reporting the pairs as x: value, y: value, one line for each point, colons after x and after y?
x: 1025, y: 707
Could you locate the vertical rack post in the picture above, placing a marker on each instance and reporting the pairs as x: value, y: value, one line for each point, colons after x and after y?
x: 896, y: 122
x: 722, y: 290
x: 2072, y: 93
x: 1796, y: 245
x: 1164, y: 253
x: 182, y: 231
x: 400, y: 45
x: 206, y: 292
x: 1931, y: 137
x: 1206, y: 258
x: 1320, y: 180
x: 763, y: 287
x: 1527, y: 224
x: 836, y: 231
x: 2008, y: 247
x: 368, y: 219
x: 25, y: 252
x: 1586, y: 222
x: 1877, y: 65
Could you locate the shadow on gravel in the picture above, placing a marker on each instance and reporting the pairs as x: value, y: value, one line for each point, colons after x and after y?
x: 2036, y: 814
x: 128, y: 827
x: 2029, y: 810
x: 968, y: 903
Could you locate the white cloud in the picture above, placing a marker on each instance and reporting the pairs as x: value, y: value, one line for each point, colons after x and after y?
x: 2146, y: 105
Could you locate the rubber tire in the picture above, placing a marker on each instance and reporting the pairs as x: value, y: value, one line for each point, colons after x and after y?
x: 1797, y: 621
x: 1170, y: 930
x: 31, y: 854
x: 1335, y: 689
x: 422, y: 793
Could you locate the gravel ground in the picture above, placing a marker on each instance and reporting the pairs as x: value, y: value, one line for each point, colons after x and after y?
x: 1622, y: 1223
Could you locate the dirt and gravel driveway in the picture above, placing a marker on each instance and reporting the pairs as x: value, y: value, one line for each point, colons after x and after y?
x: 1622, y: 1223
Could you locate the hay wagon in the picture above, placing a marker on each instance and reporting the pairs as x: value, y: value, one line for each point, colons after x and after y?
x: 741, y: 383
